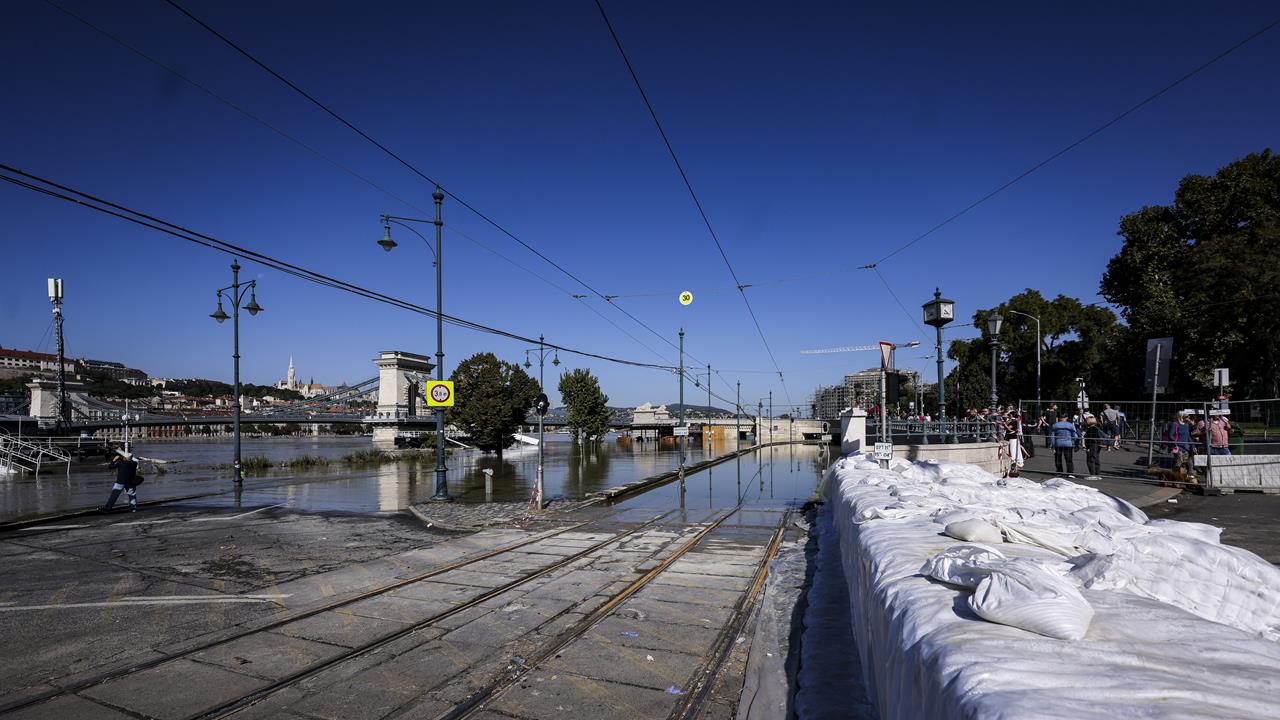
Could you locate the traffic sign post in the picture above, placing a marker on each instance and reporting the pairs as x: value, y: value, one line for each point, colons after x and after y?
x: 439, y: 393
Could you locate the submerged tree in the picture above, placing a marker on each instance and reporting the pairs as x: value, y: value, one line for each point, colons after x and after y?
x: 493, y: 398
x: 588, y: 406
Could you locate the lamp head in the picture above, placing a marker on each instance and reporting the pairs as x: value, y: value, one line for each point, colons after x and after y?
x: 556, y: 361
x: 218, y: 314
x: 253, y: 307
x: 386, y: 242
x: 994, y: 321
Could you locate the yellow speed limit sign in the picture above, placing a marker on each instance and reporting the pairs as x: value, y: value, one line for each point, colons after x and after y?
x: 440, y: 393
x: 686, y: 297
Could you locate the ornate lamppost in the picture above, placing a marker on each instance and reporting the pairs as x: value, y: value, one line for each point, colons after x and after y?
x: 235, y: 292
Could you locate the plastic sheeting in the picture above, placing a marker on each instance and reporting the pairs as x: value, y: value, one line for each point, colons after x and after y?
x: 1179, y: 628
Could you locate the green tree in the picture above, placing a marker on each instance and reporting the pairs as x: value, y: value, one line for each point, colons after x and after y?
x: 588, y: 406
x: 1204, y: 271
x: 493, y: 398
x: 1076, y: 342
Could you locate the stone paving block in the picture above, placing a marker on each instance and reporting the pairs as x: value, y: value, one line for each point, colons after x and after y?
x: 339, y: 628
x: 276, y: 706
x: 557, y: 696
x: 653, y: 611
x: 401, y: 609
x: 151, y: 692
x: 698, y: 596
x: 620, y: 663
x: 501, y: 626
x: 347, y: 669
x: 477, y: 579
x: 376, y: 691
x: 689, y: 639
x: 67, y: 706
x: 436, y: 590
x: 712, y: 582
x: 703, y: 565
x: 268, y: 655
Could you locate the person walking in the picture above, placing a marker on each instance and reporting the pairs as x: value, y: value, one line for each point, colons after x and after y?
x: 1178, y: 435
x: 1046, y: 423
x: 127, y: 478
x: 1111, y: 425
x: 1013, y: 436
x: 1219, y: 435
x: 1095, y: 438
x: 1065, y: 436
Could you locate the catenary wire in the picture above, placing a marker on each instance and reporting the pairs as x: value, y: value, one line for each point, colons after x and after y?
x: 689, y: 186
x: 92, y: 202
x: 412, y: 168
x: 309, y: 148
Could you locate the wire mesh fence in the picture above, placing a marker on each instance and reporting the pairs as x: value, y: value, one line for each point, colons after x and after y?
x: 1216, y: 446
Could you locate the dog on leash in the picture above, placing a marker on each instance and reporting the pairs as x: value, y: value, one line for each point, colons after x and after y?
x: 1176, y: 477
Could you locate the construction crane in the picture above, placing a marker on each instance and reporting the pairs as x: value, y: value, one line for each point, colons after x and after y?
x: 849, y: 348
x: 859, y: 348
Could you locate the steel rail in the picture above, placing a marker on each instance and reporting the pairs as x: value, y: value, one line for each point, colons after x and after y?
x: 278, y: 622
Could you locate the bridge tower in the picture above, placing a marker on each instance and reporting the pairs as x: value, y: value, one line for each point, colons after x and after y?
x: 399, y: 398
x: 46, y: 399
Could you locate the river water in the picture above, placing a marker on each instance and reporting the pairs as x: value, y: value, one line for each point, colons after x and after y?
x: 198, y: 469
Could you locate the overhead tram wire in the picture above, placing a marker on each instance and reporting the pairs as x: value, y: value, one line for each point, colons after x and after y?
x: 412, y: 168
x: 63, y: 192
x: 314, y: 151
x: 689, y: 186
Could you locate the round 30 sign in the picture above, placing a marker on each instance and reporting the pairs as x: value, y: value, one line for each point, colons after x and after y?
x: 440, y: 393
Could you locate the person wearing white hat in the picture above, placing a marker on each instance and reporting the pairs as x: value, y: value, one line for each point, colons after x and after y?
x: 127, y: 478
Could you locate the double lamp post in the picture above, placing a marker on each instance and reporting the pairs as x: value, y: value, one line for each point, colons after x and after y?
x: 442, y: 485
x: 235, y: 292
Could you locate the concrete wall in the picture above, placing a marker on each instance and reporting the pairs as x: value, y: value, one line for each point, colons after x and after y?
x: 985, y: 455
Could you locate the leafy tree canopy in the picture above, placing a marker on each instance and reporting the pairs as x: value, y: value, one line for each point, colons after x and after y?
x: 1205, y: 271
x: 588, y: 406
x: 1076, y: 340
x: 493, y: 397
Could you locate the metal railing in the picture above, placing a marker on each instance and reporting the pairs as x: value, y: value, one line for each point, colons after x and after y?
x: 919, y: 432
x: 19, y: 455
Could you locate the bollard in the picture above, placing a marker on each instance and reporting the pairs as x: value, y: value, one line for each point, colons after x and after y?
x: 488, y: 484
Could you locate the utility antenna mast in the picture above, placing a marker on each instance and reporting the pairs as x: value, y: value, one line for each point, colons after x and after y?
x: 55, y: 296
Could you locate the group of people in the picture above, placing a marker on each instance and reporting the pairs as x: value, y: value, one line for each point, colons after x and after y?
x: 1183, y: 438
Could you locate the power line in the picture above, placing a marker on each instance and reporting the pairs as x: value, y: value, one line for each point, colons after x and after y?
x: 689, y: 186
x: 1088, y: 136
x: 412, y: 168
x: 122, y: 212
x: 277, y: 130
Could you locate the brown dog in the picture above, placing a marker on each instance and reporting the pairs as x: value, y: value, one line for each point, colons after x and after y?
x: 1176, y: 477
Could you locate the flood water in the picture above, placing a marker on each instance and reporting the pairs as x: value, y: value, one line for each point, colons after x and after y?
x: 770, y: 476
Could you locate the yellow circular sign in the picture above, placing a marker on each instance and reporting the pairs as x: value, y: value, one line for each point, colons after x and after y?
x: 686, y: 297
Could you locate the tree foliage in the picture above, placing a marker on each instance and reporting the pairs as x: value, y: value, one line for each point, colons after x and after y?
x: 493, y: 398
x: 1076, y: 342
x: 1205, y: 271
x: 588, y: 406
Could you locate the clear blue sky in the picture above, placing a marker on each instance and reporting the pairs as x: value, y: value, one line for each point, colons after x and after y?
x: 817, y: 135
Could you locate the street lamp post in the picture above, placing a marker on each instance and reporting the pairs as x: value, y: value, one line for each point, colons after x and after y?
x: 235, y: 292
x: 939, y: 312
x: 1039, y: 342
x: 994, y: 321
x: 542, y: 351
x: 706, y: 436
x: 442, y: 484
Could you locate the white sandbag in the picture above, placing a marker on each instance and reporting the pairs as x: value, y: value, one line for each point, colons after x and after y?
x: 1027, y: 596
x: 963, y: 565
x: 974, y: 530
x: 1193, y: 530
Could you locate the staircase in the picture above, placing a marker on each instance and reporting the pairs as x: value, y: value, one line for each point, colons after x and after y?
x: 20, y: 456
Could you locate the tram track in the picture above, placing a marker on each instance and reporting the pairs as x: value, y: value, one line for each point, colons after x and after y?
x: 109, y: 676
x: 695, y: 692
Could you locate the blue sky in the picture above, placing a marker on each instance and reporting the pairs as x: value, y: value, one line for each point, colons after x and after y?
x: 819, y: 136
